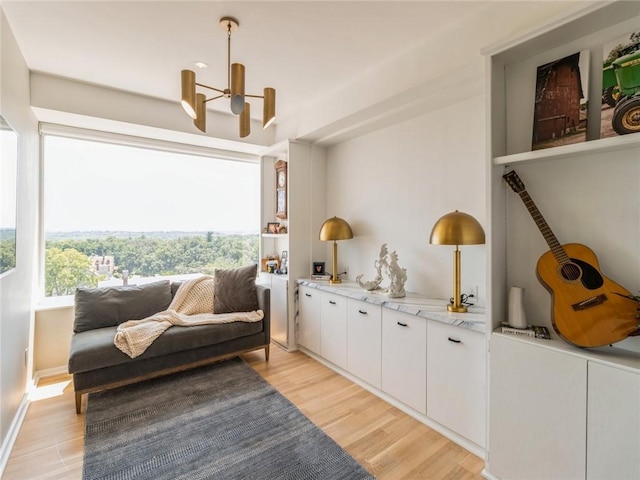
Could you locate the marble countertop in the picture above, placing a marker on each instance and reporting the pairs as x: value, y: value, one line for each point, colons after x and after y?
x: 413, y: 303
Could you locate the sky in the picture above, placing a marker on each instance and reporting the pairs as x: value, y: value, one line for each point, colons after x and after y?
x: 99, y: 186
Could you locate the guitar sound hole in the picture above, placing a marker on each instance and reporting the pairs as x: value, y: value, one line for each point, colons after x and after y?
x: 581, y: 270
x: 571, y: 272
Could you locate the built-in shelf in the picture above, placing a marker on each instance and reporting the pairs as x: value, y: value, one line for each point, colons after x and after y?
x: 608, y: 145
x: 586, y: 190
x: 275, y: 235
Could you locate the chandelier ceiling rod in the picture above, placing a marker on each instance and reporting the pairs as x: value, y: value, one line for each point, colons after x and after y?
x: 195, y: 103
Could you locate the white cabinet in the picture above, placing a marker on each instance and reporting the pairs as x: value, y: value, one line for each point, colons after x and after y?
x: 456, y: 379
x: 613, y: 424
x: 279, y: 310
x: 364, y: 344
x: 382, y: 345
x: 537, y: 412
x: 333, y: 333
x: 309, y: 325
x: 404, y: 358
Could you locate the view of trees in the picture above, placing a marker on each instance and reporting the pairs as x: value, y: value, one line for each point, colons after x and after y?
x: 68, y: 264
x: 7, y: 252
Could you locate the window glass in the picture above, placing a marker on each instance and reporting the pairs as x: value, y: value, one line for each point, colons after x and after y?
x: 114, y: 212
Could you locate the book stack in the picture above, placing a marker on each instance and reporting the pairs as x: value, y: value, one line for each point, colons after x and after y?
x: 320, y: 277
x: 534, y: 331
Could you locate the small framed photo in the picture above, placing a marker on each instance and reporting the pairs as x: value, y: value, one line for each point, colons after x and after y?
x: 284, y: 254
x: 273, y: 227
x: 318, y: 268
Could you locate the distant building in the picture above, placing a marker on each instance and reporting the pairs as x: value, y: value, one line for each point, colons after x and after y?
x: 103, y: 265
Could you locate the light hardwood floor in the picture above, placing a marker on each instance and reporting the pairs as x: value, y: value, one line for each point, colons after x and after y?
x: 386, y: 441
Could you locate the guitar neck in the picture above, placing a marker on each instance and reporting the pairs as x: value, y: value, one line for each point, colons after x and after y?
x: 555, y: 247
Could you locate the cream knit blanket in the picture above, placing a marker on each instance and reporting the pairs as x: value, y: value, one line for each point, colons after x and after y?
x: 192, y: 305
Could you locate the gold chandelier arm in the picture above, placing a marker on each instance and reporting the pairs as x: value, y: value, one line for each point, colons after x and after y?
x: 210, y: 88
x: 213, y: 98
x: 253, y: 96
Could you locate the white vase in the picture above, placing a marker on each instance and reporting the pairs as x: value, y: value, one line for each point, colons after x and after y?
x: 517, y: 317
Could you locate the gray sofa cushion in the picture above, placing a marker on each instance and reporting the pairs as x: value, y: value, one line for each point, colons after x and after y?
x: 93, y: 350
x: 235, y: 290
x: 111, y: 306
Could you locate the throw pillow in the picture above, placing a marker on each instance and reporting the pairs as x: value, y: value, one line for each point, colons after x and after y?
x: 235, y: 290
x: 111, y: 306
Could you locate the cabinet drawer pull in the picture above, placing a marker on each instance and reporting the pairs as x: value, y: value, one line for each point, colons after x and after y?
x: 332, y: 302
x: 362, y: 312
x: 307, y: 295
x: 402, y: 324
x: 454, y: 340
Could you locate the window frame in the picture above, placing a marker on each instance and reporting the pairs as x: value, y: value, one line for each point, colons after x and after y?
x: 100, y: 136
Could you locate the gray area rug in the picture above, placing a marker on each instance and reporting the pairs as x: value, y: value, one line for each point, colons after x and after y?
x: 223, y: 421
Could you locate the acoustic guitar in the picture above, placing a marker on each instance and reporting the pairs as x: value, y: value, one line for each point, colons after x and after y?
x: 587, y: 308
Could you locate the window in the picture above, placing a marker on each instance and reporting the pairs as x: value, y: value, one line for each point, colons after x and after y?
x: 113, y: 211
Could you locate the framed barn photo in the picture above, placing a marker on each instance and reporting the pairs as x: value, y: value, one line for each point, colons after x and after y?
x: 560, y: 109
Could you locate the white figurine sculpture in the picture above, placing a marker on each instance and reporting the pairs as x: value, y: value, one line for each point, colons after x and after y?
x: 379, y: 264
x: 396, y: 274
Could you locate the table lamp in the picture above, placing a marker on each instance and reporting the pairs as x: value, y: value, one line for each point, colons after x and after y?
x: 457, y: 228
x: 335, y: 229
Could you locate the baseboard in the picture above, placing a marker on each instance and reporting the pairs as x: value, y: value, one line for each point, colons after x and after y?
x: 49, y: 372
x: 12, y: 433
x: 485, y: 474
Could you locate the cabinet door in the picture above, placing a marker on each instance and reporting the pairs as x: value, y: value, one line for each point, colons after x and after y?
x: 537, y: 411
x: 279, y: 316
x: 309, y: 318
x: 333, y: 313
x: 404, y: 358
x: 613, y: 424
x: 456, y: 379
x: 364, y: 346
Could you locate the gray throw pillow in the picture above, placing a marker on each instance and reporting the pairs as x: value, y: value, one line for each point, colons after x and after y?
x: 111, y: 306
x: 235, y: 290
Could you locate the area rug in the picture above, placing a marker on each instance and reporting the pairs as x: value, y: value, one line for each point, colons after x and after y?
x: 223, y: 421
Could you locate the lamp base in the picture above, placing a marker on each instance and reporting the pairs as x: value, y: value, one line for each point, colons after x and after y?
x: 337, y: 280
x: 460, y: 309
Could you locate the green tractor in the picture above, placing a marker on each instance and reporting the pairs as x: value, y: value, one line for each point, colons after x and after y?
x: 626, y: 115
x: 610, y: 90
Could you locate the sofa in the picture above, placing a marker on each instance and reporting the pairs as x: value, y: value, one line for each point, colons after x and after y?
x: 96, y: 364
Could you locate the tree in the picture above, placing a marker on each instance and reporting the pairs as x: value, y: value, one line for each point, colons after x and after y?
x: 67, y: 269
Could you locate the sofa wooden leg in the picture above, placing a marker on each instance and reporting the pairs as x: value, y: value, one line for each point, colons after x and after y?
x: 78, y: 403
x: 266, y: 353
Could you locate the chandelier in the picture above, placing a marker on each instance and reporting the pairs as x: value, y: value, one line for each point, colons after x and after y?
x: 195, y: 103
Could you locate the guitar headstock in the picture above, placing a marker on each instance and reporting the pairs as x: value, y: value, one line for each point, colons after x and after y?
x: 514, y: 181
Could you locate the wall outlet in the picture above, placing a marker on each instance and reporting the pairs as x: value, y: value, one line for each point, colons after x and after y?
x: 471, y: 291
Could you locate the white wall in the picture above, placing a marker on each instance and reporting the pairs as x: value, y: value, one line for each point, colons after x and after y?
x: 392, y: 185
x: 16, y: 288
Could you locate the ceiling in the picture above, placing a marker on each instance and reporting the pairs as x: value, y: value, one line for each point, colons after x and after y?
x: 307, y: 50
